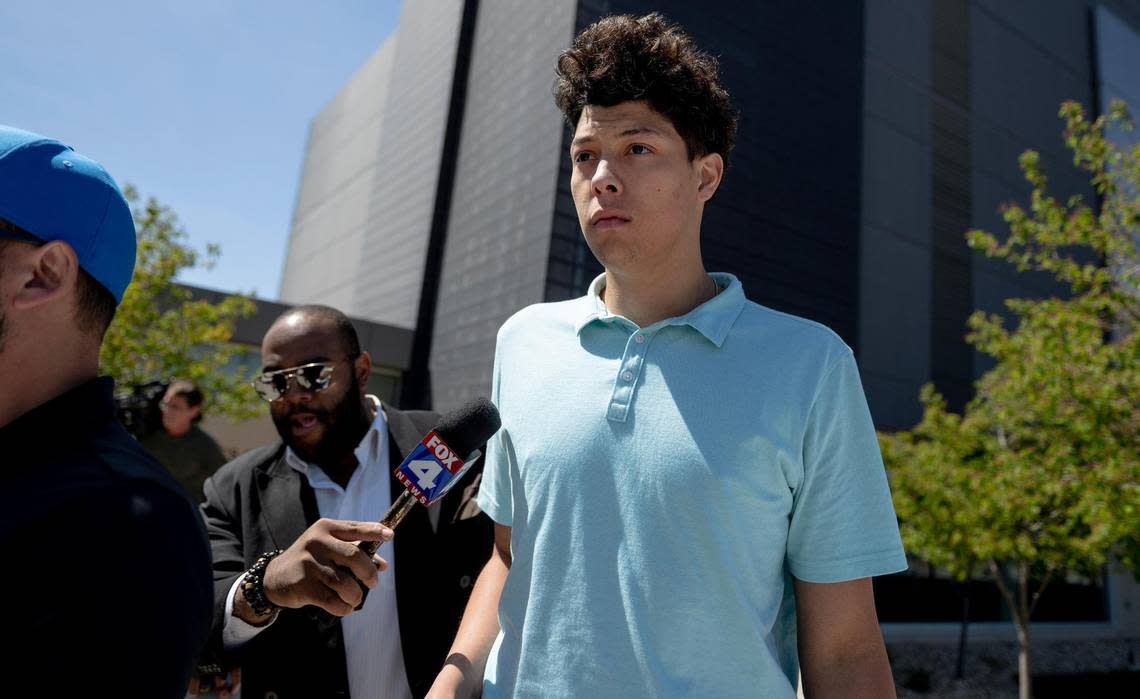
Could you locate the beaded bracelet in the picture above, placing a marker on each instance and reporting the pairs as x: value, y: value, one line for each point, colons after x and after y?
x: 253, y: 587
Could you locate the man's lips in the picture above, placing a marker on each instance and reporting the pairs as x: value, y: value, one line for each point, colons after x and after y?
x: 610, y: 222
x: 301, y: 423
x: 608, y: 219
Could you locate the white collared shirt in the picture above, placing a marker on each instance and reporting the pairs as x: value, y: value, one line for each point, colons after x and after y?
x: 372, y: 635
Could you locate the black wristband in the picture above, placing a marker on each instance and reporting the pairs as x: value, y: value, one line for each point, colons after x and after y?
x: 253, y: 586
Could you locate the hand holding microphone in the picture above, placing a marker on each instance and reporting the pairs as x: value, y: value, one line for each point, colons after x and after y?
x: 334, y: 563
x: 441, y: 459
x: 323, y: 568
x: 437, y: 464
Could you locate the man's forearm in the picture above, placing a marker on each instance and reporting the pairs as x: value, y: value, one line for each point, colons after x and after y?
x: 462, y: 673
x: 866, y: 674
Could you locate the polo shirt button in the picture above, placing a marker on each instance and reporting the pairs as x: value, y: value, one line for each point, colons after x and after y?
x: 639, y: 339
x: 465, y: 582
x: 627, y: 376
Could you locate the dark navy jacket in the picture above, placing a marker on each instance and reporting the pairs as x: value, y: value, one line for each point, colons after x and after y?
x: 106, y: 569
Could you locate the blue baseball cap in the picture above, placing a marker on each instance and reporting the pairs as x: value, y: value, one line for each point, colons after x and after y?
x: 54, y: 193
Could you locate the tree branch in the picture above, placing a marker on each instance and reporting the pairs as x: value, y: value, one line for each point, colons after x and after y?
x: 1023, y: 590
x: 1044, y: 583
x: 999, y: 577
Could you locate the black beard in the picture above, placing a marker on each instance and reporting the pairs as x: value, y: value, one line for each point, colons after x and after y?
x: 345, y: 426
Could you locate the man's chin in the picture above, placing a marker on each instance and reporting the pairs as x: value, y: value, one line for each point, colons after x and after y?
x: 305, y: 445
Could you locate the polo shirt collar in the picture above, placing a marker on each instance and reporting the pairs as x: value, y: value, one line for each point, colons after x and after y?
x: 713, y: 318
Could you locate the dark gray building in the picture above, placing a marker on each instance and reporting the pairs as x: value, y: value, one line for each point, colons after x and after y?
x: 873, y: 135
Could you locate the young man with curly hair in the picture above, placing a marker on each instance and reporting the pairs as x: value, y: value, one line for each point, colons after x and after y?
x: 687, y: 489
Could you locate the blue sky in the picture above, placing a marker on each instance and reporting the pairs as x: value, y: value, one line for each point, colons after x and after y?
x: 204, y: 105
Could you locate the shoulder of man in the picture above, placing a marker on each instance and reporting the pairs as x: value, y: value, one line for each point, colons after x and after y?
x: 420, y: 421
x: 155, y: 438
x: 145, y: 512
x: 243, y: 466
x: 208, y: 446
x: 150, y: 549
x: 127, y: 460
x: 783, y: 337
x: 201, y: 435
x: 561, y: 312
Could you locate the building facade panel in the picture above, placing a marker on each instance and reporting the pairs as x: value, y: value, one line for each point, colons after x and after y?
x: 1012, y: 114
x: 501, y: 210
x: 389, y: 280
x: 331, y: 209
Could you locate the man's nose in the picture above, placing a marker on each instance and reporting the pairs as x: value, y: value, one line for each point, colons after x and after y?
x: 296, y: 393
x: 605, y: 180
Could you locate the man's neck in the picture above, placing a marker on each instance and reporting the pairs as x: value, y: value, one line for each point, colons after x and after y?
x: 648, y: 298
x: 341, y: 471
x: 29, y: 381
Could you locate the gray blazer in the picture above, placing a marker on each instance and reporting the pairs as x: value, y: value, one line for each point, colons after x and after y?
x: 258, y: 503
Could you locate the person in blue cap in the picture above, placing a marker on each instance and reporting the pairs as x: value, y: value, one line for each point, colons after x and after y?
x: 107, y: 582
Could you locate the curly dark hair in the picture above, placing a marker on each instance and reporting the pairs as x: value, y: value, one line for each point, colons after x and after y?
x: 625, y: 58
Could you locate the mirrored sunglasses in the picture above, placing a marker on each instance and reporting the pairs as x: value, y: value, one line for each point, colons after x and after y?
x: 315, y: 377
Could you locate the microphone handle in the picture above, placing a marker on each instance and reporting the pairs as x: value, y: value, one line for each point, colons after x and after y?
x: 391, y: 518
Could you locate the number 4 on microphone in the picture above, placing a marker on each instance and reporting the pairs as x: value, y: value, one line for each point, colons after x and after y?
x: 432, y: 468
x: 426, y: 471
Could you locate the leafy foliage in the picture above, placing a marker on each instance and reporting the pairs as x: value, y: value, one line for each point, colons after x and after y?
x: 160, y: 332
x: 1041, y: 474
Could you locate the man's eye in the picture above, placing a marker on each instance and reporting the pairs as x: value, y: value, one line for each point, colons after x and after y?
x: 582, y: 157
x: 639, y: 149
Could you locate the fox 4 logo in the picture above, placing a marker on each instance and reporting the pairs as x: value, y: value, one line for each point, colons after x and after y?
x: 431, y: 469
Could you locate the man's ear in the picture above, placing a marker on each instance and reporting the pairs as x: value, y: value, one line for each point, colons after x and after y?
x: 50, y: 273
x: 363, y: 368
x: 711, y: 169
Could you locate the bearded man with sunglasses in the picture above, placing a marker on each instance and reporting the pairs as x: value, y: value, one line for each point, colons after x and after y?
x: 283, y: 522
x: 93, y: 528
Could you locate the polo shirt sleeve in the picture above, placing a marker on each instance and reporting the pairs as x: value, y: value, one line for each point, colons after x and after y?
x: 495, y: 487
x: 843, y: 524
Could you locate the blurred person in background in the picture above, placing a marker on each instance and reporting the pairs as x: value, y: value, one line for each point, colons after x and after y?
x: 107, y: 575
x: 181, y: 446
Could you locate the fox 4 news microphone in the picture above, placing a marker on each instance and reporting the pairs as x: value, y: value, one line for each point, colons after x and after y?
x: 439, y: 461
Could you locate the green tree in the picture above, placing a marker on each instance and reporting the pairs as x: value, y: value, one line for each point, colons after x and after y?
x: 1040, y: 475
x: 161, y: 332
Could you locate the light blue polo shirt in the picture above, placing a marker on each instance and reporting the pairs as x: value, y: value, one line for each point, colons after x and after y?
x: 662, y: 485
